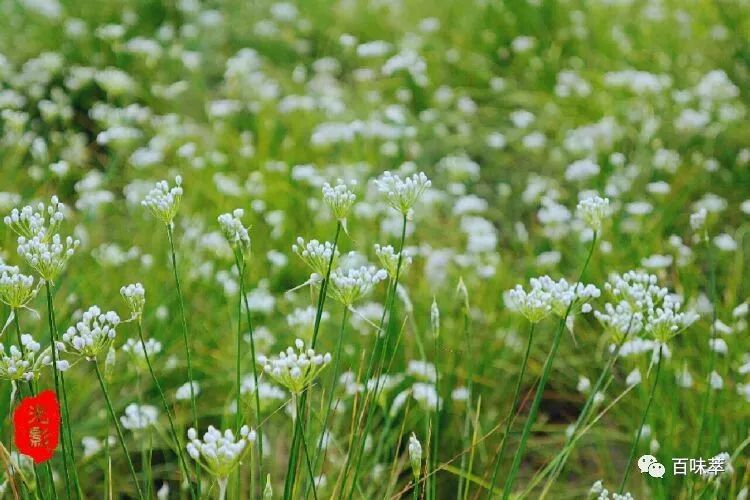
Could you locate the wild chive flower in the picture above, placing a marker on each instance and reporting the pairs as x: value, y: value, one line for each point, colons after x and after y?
x: 339, y: 199
x: 563, y: 294
x: 48, y: 257
x: 592, y: 211
x: 233, y: 230
x: 388, y: 259
x: 183, y: 392
x: 30, y: 222
x: 16, y: 289
x: 403, y: 194
x: 219, y: 453
x: 295, y: 370
x: 93, y: 333
x: 698, y: 219
x: 16, y: 364
x: 666, y: 321
x: 163, y: 201
x: 315, y: 254
x: 134, y: 348
x: 139, y: 417
x: 135, y: 296
x: 349, y: 286
x: 534, y: 305
x: 415, y: 455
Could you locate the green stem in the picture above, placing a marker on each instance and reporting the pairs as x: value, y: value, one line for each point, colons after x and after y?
x: 542, y: 383
x: 512, y: 415
x: 292, y: 464
x: 634, y: 447
x: 167, y: 410
x: 329, y: 404
x: 117, y: 428
x: 194, y: 411
x: 304, y: 447
x: 368, y: 409
x: 64, y: 422
x: 254, y: 368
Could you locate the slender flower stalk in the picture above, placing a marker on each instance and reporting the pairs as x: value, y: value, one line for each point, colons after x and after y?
x: 65, y: 422
x: 542, y: 383
x: 117, y: 428
x: 512, y: 414
x: 332, y: 389
x: 298, y: 421
x: 322, y: 294
x: 637, y: 438
x: 376, y: 360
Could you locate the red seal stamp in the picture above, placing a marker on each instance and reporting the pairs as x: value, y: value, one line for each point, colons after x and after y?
x: 37, y: 426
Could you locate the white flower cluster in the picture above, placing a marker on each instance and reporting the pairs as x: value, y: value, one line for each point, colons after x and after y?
x: 599, y: 492
x: 339, y: 199
x: 667, y: 320
x: 295, y: 370
x: 163, y: 201
x: 29, y: 222
x: 134, y: 348
x: 315, y: 254
x: 47, y: 257
x: 388, y: 258
x: 233, y: 230
x: 269, y: 394
x: 139, y: 417
x: 135, y: 297
x: 548, y: 296
x: 592, y: 211
x: 219, y: 453
x: 16, y: 289
x: 349, y: 286
x: 20, y: 364
x: 92, y: 334
x: 402, y: 194
x: 642, y: 307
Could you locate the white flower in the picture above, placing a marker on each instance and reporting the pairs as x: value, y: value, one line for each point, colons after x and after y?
x: 349, y: 286
x: 698, y: 219
x: 315, y: 254
x: 135, y: 348
x: 236, y: 234
x: 21, y: 363
x: 93, y: 333
x: 30, y: 221
x: 634, y: 377
x: 16, y: 289
x: 218, y: 452
x: 339, y: 199
x: 389, y: 259
x: 135, y: 296
x: 295, y: 370
x: 139, y: 417
x: 163, y: 201
x: 592, y: 211
x: 183, y: 392
x: 402, y: 194
x: 47, y: 256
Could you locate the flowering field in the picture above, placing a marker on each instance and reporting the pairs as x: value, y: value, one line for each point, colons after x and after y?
x: 374, y: 249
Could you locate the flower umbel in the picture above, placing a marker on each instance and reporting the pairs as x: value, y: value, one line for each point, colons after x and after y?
x: 236, y: 234
x: 93, y: 333
x: 295, y: 370
x: 29, y: 221
x: 163, y: 201
x: 402, y: 194
x: 315, y: 254
x: 21, y: 364
x: 135, y: 296
x: 219, y: 453
x: 47, y: 257
x: 388, y: 258
x: 16, y: 289
x: 592, y: 211
x: 339, y: 199
x: 351, y: 285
